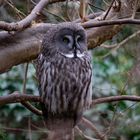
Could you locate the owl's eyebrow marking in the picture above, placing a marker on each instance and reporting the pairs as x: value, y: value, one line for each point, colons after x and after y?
x: 71, y: 55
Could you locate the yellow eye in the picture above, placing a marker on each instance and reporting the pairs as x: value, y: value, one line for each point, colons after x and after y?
x: 66, y: 40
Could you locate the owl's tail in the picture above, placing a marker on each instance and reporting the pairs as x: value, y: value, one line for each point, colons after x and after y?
x: 61, y: 134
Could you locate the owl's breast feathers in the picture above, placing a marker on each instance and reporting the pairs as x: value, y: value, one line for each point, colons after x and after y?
x: 65, y: 86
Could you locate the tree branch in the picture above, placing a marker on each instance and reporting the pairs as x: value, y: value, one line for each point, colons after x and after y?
x: 122, y: 43
x: 16, y: 97
x: 27, y: 43
x: 110, y: 22
x: 92, y: 127
x: 110, y: 7
x: 115, y: 99
x: 26, y: 21
x: 83, y: 135
x: 30, y: 107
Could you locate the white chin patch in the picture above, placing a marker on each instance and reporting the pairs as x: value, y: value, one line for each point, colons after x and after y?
x: 71, y: 55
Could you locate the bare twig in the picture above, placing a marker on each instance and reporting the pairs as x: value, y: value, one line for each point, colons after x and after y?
x: 90, y: 16
x: 83, y: 135
x: 135, y: 9
x: 8, y: 129
x: 110, y: 128
x: 18, y: 12
x: 25, y: 77
x: 115, y: 116
x: 111, y: 125
x: 107, y: 12
x: 29, y: 129
x: 92, y: 127
x: 27, y: 104
x: 45, y: 10
x: 114, y: 47
x: 31, y: 108
x: 115, y: 99
x: 26, y: 21
x: 60, y: 17
x: 106, y: 2
x: 95, y: 6
x: 16, y: 97
x: 108, y: 46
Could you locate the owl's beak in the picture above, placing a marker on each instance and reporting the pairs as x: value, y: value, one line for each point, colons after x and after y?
x: 76, y: 49
x: 77, y: 53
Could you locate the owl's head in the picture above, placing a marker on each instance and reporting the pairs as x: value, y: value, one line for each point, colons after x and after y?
x: 67, y: 39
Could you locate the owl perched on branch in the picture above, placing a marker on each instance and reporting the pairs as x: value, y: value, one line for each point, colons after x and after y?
x: 64, y: 74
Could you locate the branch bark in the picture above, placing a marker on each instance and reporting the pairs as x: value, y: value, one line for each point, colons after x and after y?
x: 20, y: 47
x: 16, y: 97
x: 90, y: 125
x: 111, y: 22
x: 115, y: 99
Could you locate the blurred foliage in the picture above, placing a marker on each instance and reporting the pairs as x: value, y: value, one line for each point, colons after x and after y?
x: 115, y: 72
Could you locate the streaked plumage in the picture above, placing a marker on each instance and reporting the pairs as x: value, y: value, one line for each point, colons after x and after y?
x: 64, y: 75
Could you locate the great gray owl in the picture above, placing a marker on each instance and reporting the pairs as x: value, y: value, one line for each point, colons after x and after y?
x: 64, y: 74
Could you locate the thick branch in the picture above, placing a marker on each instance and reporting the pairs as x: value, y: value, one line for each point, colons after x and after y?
x: 17, y: 98
x: 27, y: 45
x: 24, y: 46
x: 20, y: 47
